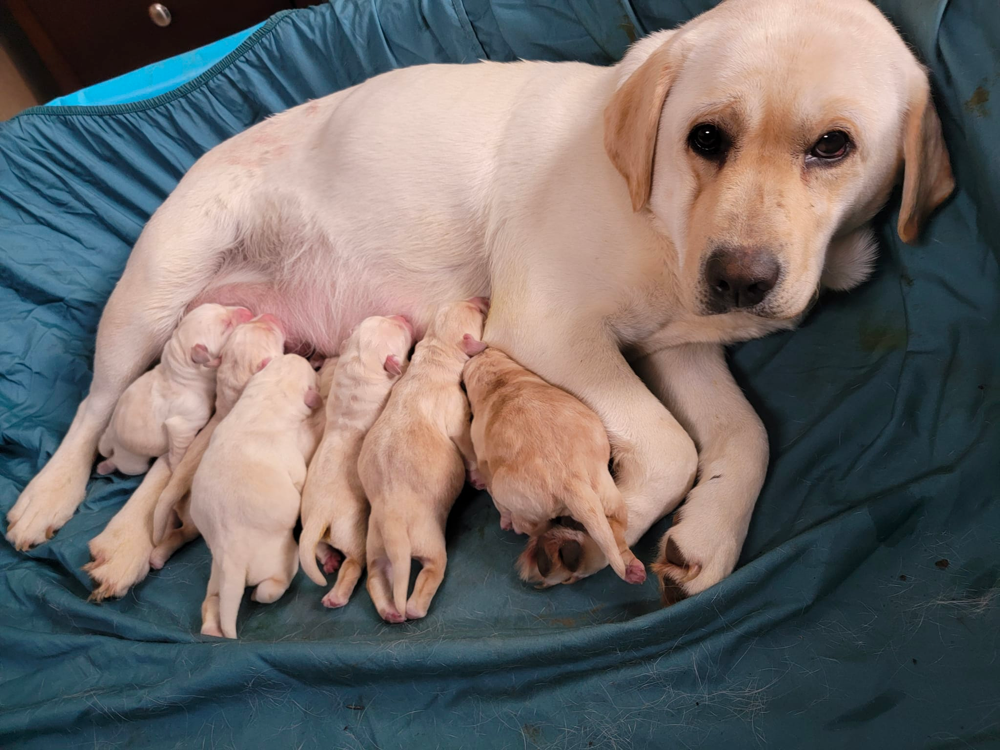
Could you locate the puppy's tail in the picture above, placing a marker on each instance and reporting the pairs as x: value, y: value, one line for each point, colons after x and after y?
x: 397, y: 549
x: 586, y: 508
x: 232, y: 583
x: 312, y: 532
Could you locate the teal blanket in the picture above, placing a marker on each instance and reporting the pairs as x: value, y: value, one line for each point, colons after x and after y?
x: 866, y: 608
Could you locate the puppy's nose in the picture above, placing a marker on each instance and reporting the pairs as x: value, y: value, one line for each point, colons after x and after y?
x: 740, y: 277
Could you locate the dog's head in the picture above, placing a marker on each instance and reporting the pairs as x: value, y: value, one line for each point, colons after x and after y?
x: 763, y: 136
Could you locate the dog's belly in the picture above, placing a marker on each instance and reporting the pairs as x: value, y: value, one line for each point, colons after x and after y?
x: 318, y: 305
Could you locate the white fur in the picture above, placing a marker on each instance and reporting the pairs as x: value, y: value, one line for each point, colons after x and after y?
x: 440, y: 182
x: 246, y: 493
x: 249, y: 348
x: 334, y: 506
x: 162, y: 411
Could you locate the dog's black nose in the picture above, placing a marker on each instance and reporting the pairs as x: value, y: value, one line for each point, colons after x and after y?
x: 740, y: 277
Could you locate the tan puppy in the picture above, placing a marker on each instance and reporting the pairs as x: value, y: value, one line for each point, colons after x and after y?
x: 543, y: 454
x: 246, y: 494
x: 250, y: 347
x: 413, y: 464
x: 334, y: 507
x: 162, y: 411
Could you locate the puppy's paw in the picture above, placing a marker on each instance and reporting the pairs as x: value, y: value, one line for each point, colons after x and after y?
x: 41, y: 510
x: 476, y: 479
x: 120, y: 559
x: 635, y: 572
x: 333, y: 600
x: 392, y: 615
x: 210, y: 628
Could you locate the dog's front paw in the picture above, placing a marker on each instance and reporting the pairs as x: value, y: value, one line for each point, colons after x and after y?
x: 120, y: 559
x: 564, y: 553
x: 46, y: 504
x: 692, y: 557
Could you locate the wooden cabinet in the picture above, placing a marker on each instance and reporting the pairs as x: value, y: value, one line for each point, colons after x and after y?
x: 82, y: 42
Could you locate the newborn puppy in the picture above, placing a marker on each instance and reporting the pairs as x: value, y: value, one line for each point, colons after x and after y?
x: 334, y: 507
x: 542, y: 455
x: 413, y: 463
x: 246, y: 493
x: 251, y: 346
x: 162, y: 411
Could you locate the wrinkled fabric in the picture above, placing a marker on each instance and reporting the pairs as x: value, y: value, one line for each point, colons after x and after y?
x: 865, y: 609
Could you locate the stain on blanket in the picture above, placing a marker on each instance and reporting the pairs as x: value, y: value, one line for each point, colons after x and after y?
x: 877, y: 338
x: 976, y: 104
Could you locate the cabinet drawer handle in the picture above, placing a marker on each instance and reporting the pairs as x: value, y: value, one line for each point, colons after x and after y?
x: 160, y: 14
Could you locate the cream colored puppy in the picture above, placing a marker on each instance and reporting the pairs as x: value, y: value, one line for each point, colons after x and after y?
x: 162, y: 411
x: 251, y: 346
x: 543, y: 454
x: 414, y: 461
x: 246, y: 493
x: 334, y: 506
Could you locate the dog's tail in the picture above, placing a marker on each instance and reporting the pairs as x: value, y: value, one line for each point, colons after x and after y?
x: 586, y: 508
x: 312, y: 532
x: 232, y: 584
x: 397, y: 549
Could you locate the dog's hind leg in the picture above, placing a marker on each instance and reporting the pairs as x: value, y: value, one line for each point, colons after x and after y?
x: 174, y: 258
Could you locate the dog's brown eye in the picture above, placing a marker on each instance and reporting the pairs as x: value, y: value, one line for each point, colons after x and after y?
x: 707, y: 140
x: 832, y: 145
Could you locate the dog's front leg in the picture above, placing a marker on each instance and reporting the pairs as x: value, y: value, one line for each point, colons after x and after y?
x: 120, y: 554
x: 655, y: 459
x: 704, y: 542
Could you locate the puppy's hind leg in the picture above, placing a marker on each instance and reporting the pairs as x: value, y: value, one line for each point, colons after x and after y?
x: 173, y: 260
x: 210, y: 607
x: 347, y: 579
x: 379, y: 586
x: 434, y: 560
x: 270, y: 589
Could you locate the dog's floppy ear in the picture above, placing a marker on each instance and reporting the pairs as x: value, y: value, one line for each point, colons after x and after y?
x: 927, y: 177
x: 632, y: 118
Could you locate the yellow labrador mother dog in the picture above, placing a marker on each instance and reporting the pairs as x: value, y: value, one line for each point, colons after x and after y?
x: 698, y: 193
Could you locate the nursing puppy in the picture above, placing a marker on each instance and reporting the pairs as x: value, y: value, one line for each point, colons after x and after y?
x: 414, y: 461
x: 334, y: 507
x: 246, y: 493
x: 251, y: 346
x: 543, y: 454
x: 162, y: 411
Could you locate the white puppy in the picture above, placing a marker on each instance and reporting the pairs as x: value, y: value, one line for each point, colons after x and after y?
x: 334, y: 507
x: 162, y: 411
x: 246, y: 494
x: 413, y: 464
x: 251, y: 346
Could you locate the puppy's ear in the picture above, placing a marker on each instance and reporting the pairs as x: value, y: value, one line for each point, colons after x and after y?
x: 472, y: 347
x: 263, y: 363
x: 392, y: 366
x: 200, y: 355
x: 927, y: 177
x: 632, y: 118
x: 313, y: 399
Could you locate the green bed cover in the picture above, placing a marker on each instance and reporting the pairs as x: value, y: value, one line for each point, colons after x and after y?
x: 866, y: 608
